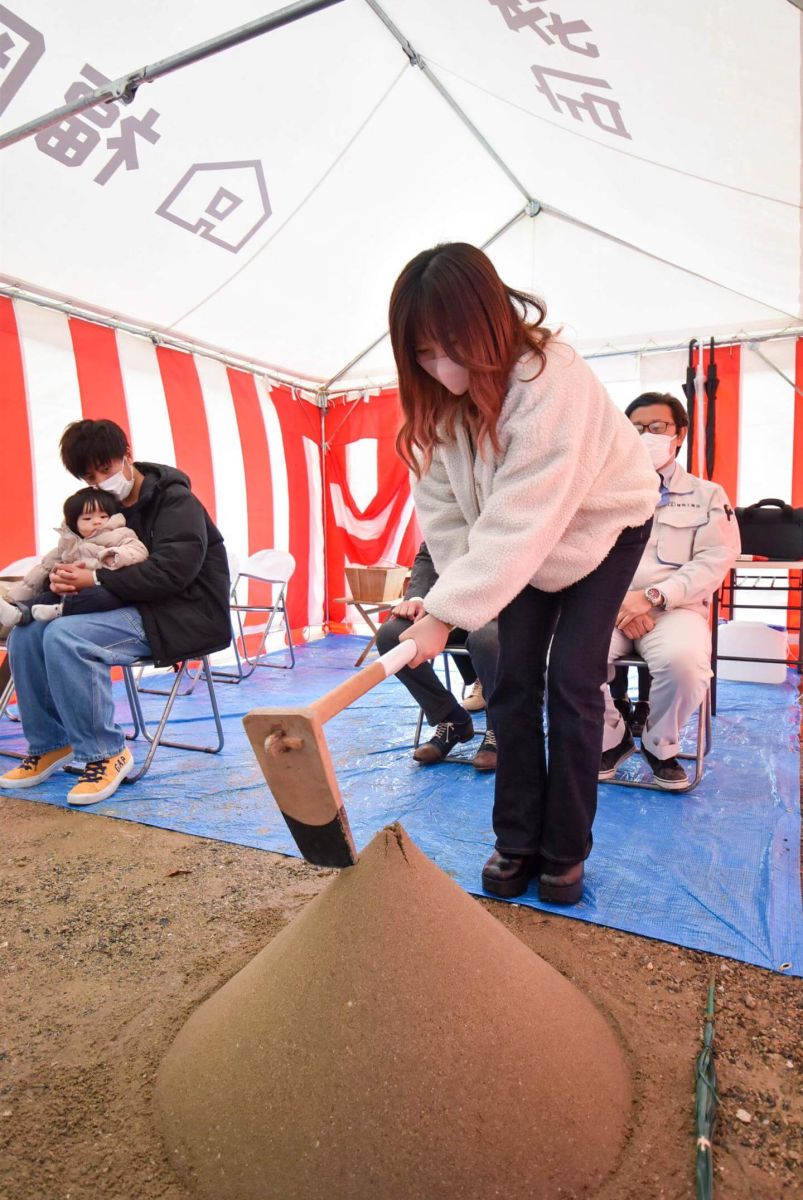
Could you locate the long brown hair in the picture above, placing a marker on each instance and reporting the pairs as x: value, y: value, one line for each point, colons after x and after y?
x: 452, y: 295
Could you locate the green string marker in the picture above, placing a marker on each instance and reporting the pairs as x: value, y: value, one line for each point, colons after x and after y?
x: 706, y: 1102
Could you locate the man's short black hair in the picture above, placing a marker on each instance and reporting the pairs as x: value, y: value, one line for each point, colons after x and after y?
x: 87, y: 445
x: 86, y: 500
x: 646, y: 398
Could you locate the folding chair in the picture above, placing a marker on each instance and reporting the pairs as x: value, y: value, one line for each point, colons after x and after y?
x: 275, y: 567
x: 194, y: 675
x: 6, y: 695
x: 11, y: 573
x: 157, y: 738
x: 6, y: 688
x: 462, y: 650
x: 704, y: 739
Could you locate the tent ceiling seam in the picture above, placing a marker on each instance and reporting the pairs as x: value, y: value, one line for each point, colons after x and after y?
x: 611, y: 149
x: 415, y: 59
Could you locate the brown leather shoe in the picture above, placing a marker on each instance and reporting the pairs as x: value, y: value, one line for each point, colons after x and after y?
x: 560, y: 883
x: 485, y: 758
x: 507, y: 874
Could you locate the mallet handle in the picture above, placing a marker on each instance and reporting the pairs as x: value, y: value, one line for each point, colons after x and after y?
x: 346, y: 693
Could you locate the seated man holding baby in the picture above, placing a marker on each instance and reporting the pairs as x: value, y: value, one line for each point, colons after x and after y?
x: 170, y: 605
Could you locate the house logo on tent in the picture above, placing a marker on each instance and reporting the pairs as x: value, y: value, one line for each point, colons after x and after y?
x: 223, y: 202
x: 21, y: 47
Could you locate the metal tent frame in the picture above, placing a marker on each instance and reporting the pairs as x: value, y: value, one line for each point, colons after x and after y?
x: 124, y: 89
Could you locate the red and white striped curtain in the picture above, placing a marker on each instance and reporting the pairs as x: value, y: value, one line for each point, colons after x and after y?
x: 252, y: 452
x: 369, y: 509
x: 271, y: 472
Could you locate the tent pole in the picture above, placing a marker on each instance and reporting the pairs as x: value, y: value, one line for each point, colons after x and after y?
x: 327, y: 615
x: 125, y: 88
x: 314, y: 385
x: 741, y: 339
x: 737, y: 339
x: 355, y: 360
x: 751, y: 345
x: 417, y: 61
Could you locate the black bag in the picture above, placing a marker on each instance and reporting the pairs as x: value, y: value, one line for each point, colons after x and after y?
x: 772, y: 529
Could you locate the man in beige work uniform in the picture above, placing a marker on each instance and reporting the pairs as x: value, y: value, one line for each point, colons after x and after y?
x: 665, y: 615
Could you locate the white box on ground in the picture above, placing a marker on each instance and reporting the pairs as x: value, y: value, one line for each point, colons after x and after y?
x: 749, y: 639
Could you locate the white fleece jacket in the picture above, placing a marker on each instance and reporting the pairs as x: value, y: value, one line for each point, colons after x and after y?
x: 546, y: 510
x: 113, y: 546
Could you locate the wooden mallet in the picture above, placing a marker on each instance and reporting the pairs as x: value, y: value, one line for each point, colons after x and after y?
x: 291, y: 750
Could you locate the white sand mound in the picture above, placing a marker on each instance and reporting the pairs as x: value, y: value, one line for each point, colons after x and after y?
x: 395, y: 1042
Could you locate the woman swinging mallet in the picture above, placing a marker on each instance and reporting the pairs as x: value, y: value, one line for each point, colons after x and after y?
x: 536, y: 499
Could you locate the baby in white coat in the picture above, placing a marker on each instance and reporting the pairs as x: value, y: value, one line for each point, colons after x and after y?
x: 94, y: 533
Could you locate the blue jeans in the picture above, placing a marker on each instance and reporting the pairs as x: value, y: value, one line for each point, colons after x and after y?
x: 61, y: 676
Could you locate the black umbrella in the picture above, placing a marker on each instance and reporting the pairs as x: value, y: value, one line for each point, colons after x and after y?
x: 688, y: 392
x: 711, y: 385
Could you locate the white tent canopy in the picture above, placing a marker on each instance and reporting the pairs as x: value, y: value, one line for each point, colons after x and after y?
x: 263, y: 201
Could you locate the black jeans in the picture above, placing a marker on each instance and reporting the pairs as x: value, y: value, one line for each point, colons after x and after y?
x: 88, y: 600
x: 540, y: 808
x: 424, y: 685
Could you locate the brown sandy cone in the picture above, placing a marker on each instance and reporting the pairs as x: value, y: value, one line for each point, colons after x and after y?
x: 395, y: 1042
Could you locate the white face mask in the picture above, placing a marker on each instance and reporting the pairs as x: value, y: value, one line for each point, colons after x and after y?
x: 659, y: 447
x: 118, y: 485
x: 453, y: 377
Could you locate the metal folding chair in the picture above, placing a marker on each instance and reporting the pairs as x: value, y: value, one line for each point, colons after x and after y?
x: 157, y: 738
x: 274, y: 567
x: 702, y: 747
x: 193, y: 675
x: 140, y: 725
x: 462, y: 650
x: 131, y: 680
x: 6, y: 688
x: 6, y: 695
x: 13, y: 572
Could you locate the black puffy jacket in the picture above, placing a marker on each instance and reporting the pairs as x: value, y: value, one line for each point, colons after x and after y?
x: 182, y: 589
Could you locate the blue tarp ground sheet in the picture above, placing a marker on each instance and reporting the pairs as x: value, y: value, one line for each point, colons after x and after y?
x: 714, y: 870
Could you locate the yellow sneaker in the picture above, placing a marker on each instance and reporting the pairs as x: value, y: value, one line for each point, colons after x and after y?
x: 35, y: 768
x: 101, y: 779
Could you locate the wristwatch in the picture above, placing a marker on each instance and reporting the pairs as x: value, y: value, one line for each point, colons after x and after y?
x: 95, y: 579
x: 656, y: 597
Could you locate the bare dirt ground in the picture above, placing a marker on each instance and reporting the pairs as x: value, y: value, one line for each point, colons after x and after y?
x: 112, y: 933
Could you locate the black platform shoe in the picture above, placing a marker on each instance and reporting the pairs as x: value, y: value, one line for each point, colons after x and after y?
x: 508, y: 875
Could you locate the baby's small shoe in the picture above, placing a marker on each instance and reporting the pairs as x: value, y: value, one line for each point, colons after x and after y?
x: 9, y: 614
x: 45, y: 612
